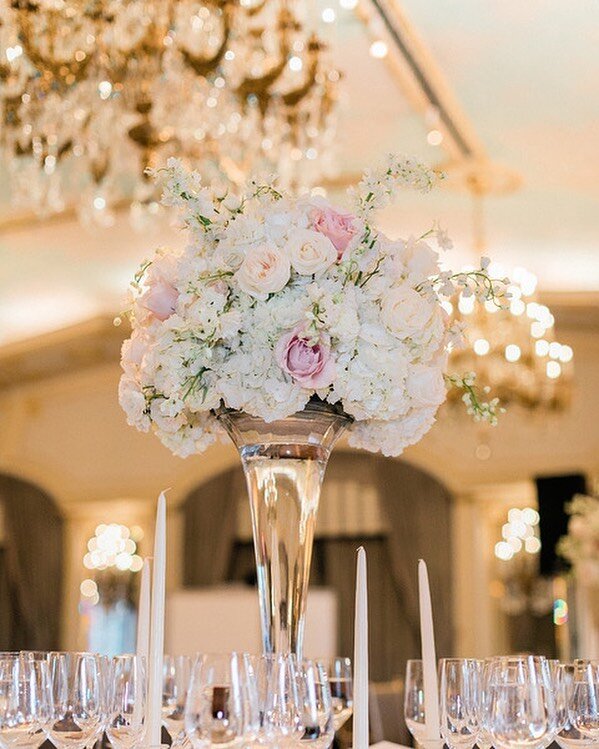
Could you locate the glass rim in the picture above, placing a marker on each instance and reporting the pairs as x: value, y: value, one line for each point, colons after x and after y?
x: 460, y: 660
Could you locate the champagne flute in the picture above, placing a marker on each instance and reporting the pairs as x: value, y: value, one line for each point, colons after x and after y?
x: 76, y: 699
x: 341, y: 684
x: 460, y: 702
x: 127, y: 701
x: 24, y: 702
x: 414, y: 700
x: 175, y: 683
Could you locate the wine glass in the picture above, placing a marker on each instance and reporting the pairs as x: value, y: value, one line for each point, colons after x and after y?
x: 341, y: 684
x: 519, y: 709
x: 126, y: 701
x: 24, y: 702
x: 76, y: 710
x: 220, y: 710
x: 460, y: 702
x: 175, y: 683
x: 316, y: 708
x: 275, y: 679
x: 568, y: 737
x: 414, y: 700
x: 584, y: 702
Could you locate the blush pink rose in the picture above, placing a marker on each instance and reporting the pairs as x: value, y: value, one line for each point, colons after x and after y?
x: 338, y: 227
x: 312, y: 366
x: 161, y: 299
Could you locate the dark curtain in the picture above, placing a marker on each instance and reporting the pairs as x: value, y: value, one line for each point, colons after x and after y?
x: 33, y: 565
x: 210, y: 517
x: 334, y: 565
x: 418, y: 510
x: 6, y: 630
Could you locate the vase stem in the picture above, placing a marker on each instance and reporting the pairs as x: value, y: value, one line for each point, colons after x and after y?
x: 284, y: 464
x: 284, y: 488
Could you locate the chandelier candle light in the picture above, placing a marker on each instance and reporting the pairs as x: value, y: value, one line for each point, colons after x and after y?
x: 432, y: 724
x: 284, y: 323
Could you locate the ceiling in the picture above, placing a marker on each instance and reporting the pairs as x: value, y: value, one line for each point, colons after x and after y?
x: 526, y: 75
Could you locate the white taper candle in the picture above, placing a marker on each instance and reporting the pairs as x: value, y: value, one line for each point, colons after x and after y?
x: 360, y: 727
x: 142, y: 646
x: 432, y: 725
x: 156, y: 656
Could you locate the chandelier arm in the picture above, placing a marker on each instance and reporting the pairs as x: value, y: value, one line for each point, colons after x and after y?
x: 255, y: 10
x: 259, y: 85
x: 205, y: 65
x: 295, y: 96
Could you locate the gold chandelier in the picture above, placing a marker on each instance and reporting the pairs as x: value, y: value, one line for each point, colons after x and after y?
x: 513, y: 351
x: 92, y: 92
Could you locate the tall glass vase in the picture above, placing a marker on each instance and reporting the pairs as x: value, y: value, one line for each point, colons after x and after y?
x: 284, y: 463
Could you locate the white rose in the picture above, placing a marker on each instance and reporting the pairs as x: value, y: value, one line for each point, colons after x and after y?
x: 425, y: 386
x: 311, y: 253
x: 265, y: 270
x: 405, y: 312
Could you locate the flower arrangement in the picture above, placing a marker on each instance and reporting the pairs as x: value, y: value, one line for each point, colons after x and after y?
x: 581, y: 546
x: 276, y: 300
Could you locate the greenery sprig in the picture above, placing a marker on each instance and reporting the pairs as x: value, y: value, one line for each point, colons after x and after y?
x: 476, y: 406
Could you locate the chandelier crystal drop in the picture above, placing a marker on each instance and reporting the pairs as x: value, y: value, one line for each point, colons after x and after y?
x: 94, y: 92
x: 514, y: 351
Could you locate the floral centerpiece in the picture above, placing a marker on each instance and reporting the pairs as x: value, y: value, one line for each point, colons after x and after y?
x: 279, y: 300
x: 285, y: 322
x: 581, y: 545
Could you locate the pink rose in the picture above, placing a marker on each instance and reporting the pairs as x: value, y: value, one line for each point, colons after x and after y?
x: 312, y: 366
x: 338, y: 227
x: 160, y: 299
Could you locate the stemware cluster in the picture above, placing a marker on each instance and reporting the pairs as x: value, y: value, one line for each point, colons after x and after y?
x: 227, y: 700
x: 509, y: 702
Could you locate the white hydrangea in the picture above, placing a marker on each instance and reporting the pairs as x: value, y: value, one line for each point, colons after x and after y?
x: 275, y: 300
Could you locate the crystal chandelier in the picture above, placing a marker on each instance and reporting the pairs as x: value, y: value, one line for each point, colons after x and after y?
x: 514, y: 351
x: 93, y: 92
